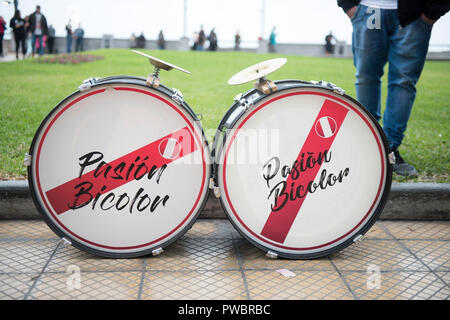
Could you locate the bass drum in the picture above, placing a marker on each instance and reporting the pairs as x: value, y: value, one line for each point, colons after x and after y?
x: 120, y: 169
x: 302, y: 172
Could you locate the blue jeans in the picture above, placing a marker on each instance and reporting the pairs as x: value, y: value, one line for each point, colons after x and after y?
x: 378, y: 38
x: 33, y: 44
x: 68, y: 43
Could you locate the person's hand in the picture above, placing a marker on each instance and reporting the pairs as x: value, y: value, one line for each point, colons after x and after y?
x: 351, y: 12
x: 427, y: 20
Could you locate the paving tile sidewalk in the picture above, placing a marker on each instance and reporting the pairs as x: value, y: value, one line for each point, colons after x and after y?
x: 212, y: 261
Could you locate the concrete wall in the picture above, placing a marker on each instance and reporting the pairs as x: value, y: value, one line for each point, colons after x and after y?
x: 99, y: 43
x: 341, y: 49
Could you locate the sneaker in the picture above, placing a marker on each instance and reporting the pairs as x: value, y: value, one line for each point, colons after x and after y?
x: 403, y: 168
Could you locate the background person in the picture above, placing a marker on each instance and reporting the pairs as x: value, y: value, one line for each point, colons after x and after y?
x: 141, y: 41
x: 51, y: 39
x: 329, y: 48
x: 161, y: 40
x: 78, y: 36
x: 17, y: 24
x: 400, y: 37
x: 28, y: 36
x: 237, y: 41
x: 38, y: 28
x: 132, y: 41
x: 195, y: 39
x: 212, y: 38
x: 272, y: 40
x: 69, y: 37
x: 201, y: 40
x: 2, y: 33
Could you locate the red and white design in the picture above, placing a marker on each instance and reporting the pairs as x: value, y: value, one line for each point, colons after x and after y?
x: 63, y: 194
x: 310, y: 122
x: 126, y: 141
x: 326, y: 127
x: 279, y: 223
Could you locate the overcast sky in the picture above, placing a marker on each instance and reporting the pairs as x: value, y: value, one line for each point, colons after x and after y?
x: 297, y: 21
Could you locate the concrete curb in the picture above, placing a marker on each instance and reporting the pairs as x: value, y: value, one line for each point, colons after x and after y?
x: 407, y: 201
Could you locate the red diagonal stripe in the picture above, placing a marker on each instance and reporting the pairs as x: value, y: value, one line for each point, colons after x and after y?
x: 280, y: 222
x: 61, y: 196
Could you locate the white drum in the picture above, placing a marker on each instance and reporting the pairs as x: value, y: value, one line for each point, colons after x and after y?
x: 303, y: 171
x: 120, y: 169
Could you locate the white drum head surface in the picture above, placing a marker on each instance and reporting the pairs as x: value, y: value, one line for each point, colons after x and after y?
x: 302, y: 172
x: 120, y: 170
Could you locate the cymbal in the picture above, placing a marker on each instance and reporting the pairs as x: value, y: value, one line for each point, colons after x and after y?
x: 257, y: 71
x: 158, y: 63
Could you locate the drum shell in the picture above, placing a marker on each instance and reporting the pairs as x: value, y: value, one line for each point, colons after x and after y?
x: 125, y: 80
x: 238, y: 111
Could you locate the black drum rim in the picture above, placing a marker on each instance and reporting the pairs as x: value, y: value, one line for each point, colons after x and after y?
x: 293, y: 84
x: 76, y: 243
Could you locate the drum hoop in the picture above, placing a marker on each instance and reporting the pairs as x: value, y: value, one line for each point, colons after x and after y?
x: 40, y: 203
x: 379, y: 202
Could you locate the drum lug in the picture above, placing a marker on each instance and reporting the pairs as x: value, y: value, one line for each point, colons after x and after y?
x: 339, y: 91
x: 177, y: 96
x: 271, y: 255
x: 157, y: 251
x: 215, y: 188
x: 27, y: 160
x: 391, y: 157
x: 87, y: 84
x: 66, y: 241
x: 330, y: 85
x: 243, y: 102
x: 358, y: 238
x: 238, y: 97
x: 211, y: 183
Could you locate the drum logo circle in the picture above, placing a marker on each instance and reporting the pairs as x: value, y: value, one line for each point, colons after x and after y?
x: 169, y: 148
x: 326, y: 127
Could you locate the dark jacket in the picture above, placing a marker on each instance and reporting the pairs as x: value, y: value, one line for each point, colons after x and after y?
x: 43, y: 23
x: 410, y: 10
x: 20, y: 23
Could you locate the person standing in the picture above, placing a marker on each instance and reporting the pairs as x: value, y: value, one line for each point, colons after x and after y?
x: 69, y: 37
x: 272, y: 40
x: 141, y: 41
x: 237, y: 41
x: 195, y: 39
x: 329, y: 48
x: 79, y: 35
x: 51, y: 39
x: 2, y: 33
x: 397, y: 32
x: 201, y: 40
x: 28, y: 36
x: 212, y: 40
x: 38, y: 27
x: 132, y: 41
x: 161, y: 41
x: 17, y: 24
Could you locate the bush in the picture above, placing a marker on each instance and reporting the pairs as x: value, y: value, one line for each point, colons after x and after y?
x: 74, y: 58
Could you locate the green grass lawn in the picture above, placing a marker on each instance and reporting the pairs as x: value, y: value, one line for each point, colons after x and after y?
x: 29, y: 90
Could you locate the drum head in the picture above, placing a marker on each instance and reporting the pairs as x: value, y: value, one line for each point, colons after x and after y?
x: 119, y: 170
x: 304, y: 172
